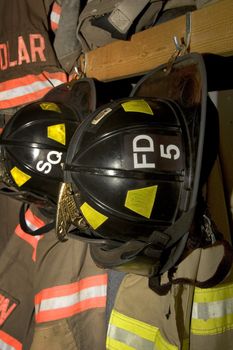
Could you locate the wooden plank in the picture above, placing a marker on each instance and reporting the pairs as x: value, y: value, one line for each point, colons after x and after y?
x: 211, y: 31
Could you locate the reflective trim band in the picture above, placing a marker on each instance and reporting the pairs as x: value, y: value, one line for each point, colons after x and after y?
x: 141, y: 200
x: 67, y: 300
x: 212, y: 310
x: 7, y: 342
x: 126, y: 333
x: 140, y: 106
x: 50, y: 106
x: 118, y: 336
x: 33, y: 223
x: 18, y: 91
x: 19, y: 176
x: 55, y: 16
x: 93, y: 217
x: 57, y: 133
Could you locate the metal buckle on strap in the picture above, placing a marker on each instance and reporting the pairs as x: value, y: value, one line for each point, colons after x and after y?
x: 207, y: 228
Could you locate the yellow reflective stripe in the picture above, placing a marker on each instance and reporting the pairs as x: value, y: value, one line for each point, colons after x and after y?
x: 112, y: 344
x: 141, y: 200
x: 140, y: 106
x: 57, y: 133
x: 212, y: 310
x: 162, y: 344
x: 19, y: 176
x: 122, y: 340
x: 93, y: 217
x: 222, y: 292
x: 140, y: 328
x: 126, y: 333
x: 50, y: 106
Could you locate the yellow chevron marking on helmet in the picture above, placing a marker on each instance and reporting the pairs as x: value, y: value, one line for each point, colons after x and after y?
x: 50, y: 106
x: 140, y: 106
x: 93, y: 217
x: 57, y: 133
x: 19, y: 176
x: 142, y: 200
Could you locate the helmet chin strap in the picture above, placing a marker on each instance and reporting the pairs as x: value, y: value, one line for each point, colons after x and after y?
x: 27, y: 229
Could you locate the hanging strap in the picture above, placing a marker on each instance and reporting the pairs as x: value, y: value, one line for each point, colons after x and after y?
x: 122, y: 17
x: 27, y: 229
x: 208, y: 236
x: 124, y: 14
x: 219, y: 275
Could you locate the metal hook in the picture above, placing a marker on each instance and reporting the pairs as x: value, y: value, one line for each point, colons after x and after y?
x: 80, y: 67
x: 183, y: 45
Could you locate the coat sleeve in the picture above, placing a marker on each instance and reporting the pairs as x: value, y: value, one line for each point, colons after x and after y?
x: 64, y: 19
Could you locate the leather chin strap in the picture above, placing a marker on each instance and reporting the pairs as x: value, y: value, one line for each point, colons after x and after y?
x: 210, y: 237
x: 44, y: 229
x: 29, y: 197
x: 110, y: 256
x: 219, y: 275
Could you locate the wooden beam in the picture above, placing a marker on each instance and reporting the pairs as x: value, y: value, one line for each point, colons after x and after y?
x: 211, y: 31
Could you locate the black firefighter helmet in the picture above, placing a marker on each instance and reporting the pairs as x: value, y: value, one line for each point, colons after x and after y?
x: 34, y: 142
x: 133, y: 171
x: 33, y: 148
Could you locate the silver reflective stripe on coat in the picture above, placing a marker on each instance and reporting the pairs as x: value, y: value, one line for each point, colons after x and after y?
x: 125, y: 332
x: 130, y: 339
x: 212, y: 310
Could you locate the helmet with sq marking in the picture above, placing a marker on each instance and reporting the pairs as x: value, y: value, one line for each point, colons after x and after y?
x: 33, y: 147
